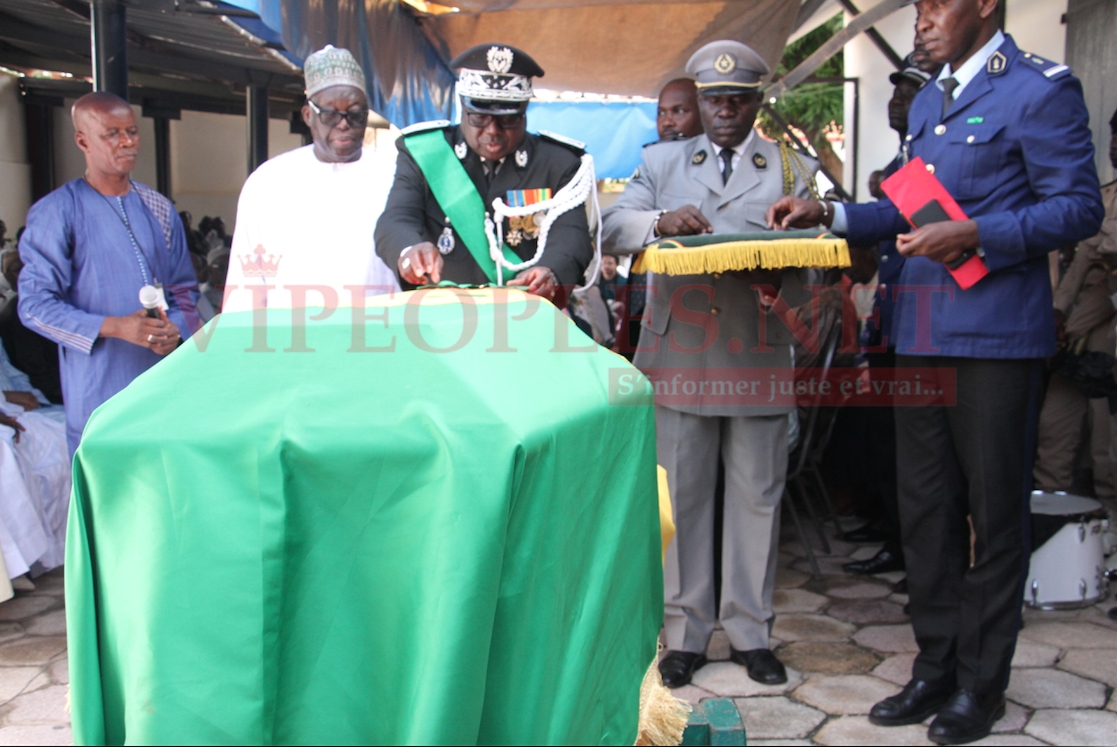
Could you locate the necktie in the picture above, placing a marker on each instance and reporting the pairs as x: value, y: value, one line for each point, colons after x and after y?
x: 948, y: 87
x: 727, y: 164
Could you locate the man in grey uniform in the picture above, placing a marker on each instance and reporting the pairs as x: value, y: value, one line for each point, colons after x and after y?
x: 719, y: 182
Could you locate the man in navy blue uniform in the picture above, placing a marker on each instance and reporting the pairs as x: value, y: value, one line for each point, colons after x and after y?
x: 1006, y: 133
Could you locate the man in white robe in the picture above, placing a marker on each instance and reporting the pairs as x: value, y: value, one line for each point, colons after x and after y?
x: 305, y: 219
x: 34, y: 475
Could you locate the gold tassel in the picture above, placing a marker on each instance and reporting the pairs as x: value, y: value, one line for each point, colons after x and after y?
x: 743, y: 255
x: 663, y: 717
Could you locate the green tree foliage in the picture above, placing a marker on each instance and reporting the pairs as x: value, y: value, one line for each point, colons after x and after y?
x: 815, y: 108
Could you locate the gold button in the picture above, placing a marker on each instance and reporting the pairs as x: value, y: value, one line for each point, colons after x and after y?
x: 931, y: 167
x: 970, y: 139
x: 717, y: 276
x: 714, y: 311
x: 940, y: 129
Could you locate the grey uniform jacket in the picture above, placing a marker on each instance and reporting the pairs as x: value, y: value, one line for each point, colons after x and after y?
x: 719, y: 323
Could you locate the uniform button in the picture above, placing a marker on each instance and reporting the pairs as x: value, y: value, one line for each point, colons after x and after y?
x: 970, y: 139
x: 717, y: 276
x: 931, y: 167
x: 908, y: 137
x: 1027, y: 55
x: 714, y: 311
x: 884, y: 258
x: 939, y: 130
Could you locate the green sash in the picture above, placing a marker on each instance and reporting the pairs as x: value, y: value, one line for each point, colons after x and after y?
x: 456, y: 195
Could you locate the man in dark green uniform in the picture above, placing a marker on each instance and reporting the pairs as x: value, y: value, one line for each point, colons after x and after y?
x: 448, y: 177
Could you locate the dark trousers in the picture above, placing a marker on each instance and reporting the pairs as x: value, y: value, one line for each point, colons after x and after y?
x: 970, y: 459
x: 882, y: 448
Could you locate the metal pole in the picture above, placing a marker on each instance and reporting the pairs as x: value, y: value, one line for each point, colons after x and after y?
x: 163, y: 155
x: 109, y: 41
x: 256, y: 102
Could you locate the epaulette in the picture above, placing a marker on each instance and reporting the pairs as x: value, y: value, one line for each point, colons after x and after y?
x: 563, y: 140
x: 1051, y: 70
x: 437, y: 124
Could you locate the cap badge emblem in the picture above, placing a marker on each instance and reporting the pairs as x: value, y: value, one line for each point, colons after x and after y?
x: 461, y: 150
x: 699, y: 157
x: 521, y: 158
x: 759, y: 161
x: 500, y: 59
x: 725, y: 63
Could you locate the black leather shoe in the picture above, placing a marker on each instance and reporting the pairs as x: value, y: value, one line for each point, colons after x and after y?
x: 677, y: 667
x: 918, y: 700
x: 883, y: 562
x: 901, y: 586
x: 762, y: 665
x: 966, y: 718
x: 867, y: 533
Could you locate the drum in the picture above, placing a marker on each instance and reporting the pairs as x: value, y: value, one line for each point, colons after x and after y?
x: 1068, y: 556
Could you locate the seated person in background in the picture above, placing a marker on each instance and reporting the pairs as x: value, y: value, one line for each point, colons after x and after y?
x: 31, y: 353
x: 34, y: 475
x: 677, y: 111
x: 307, y: 217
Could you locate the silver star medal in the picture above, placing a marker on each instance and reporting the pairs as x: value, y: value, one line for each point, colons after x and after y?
x: 446, y: 241
x: 461, y: 150
x: 521, y: 158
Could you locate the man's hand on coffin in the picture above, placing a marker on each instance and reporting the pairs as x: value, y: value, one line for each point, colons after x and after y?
x: 160, y: 335
x: 940, y: 242
x: 686, y: 221
x: 795, y: 212
x: 11, y: 423
x: 26, y: 400
x: 539, y: 280
x: 421, y: 264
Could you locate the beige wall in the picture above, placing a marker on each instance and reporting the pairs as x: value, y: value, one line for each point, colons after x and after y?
x: 15, y: 172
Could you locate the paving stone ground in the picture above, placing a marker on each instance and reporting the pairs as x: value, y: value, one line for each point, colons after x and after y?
x: 845, y: 639
x: 847, y: 643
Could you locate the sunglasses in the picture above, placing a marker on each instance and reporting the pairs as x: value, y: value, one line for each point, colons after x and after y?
x: 503, y: 121
x: 332, y: 117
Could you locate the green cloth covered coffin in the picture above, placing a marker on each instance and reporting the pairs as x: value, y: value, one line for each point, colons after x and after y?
x: 427, y: 521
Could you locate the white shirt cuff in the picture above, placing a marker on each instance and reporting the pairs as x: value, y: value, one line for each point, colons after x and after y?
x: 839, y: 225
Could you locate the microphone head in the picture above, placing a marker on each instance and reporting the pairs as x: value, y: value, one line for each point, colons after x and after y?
x: 149, y: 297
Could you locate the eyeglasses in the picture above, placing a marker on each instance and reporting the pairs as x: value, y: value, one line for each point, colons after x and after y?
x: 332, y: 117
x: 503, y: 121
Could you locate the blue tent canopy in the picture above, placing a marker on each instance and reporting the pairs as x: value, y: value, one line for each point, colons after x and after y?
x: 613, y: 133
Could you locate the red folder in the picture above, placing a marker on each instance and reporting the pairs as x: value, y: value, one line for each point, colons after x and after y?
x: 922, y: 199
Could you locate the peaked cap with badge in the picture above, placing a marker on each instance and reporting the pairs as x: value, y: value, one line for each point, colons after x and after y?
x: 332, y: 66
x: 727, y: 67
x: 910, y: 71
x: 493, y: 79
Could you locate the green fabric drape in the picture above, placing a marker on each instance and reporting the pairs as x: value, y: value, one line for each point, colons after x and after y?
x: 344, y: 546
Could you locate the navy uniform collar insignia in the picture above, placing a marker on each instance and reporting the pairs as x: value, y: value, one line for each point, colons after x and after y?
x: 997, y: 64
x: 461, y: 150
x: 759, y: 161
x: 699, y: 157
x: 521, y: 158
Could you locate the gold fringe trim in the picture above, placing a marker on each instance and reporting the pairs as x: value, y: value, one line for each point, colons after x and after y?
x: 743, y: 255
x: 663, y: 717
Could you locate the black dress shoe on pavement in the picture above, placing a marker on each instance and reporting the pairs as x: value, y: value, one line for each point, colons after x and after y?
x: 966, y: 718
x: 762, y: 665
x: 918, y: 700
x: 883, y: 562
x: 867, y: 533
x: 677, y: 667
x: 901, y: 586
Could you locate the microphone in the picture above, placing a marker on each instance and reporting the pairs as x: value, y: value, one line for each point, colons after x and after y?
x: 149, y: 297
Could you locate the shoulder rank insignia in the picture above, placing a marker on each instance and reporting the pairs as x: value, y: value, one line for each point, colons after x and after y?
x: 699, y: 157
x: 759, y: 161
x: 563, y: 140
x: 438, y: 124
x: 461, y: 150
x: 1051, y: 70
x: 997, y: 64
x: 521, y: 158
